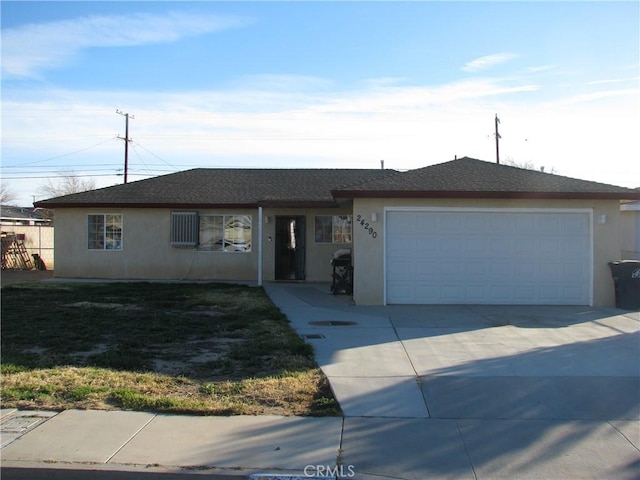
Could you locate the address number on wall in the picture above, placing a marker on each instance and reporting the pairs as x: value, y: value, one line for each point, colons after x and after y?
x: 366, y: 226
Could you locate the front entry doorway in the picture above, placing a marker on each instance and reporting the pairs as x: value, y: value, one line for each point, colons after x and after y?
x: 290, y: 248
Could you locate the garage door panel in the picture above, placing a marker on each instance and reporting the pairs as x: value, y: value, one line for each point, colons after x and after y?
x: 403, y: 293
x: 488, y: 257
x: 501, y: 247
x: 427, y: 271
x: 525, y: 247
x: 524, y: 293
x: 451, y: 224
x: 403, y: 271
x: 403, y: 221
x: 424, y: 224
x: 500, y: 224
x: 475, y: 224
x: 550, y: 247
x: 524, y: 226
x: 476, y: 270
x: 499, y: 270
x: 429, y: 291
x: 427, y: 243
x: 402, y: 245
x: 500, y: 294
x: 451, y: 246
x: 477, y: 247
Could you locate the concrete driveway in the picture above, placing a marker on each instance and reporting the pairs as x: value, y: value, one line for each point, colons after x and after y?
x: 478, y: 391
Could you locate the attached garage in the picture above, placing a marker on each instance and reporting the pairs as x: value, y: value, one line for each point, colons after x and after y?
x: 488, y: 256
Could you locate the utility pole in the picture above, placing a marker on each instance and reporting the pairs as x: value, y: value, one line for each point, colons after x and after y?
x: 126, y: 143
x: 498, y: 137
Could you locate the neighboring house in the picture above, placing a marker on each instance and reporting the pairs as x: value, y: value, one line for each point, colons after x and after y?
x: 10, y: 215
x: 464, y: 231
x: 630, y: 230
x: 33, y: 230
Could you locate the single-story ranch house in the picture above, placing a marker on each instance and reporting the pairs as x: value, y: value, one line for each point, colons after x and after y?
x: 463, y: 231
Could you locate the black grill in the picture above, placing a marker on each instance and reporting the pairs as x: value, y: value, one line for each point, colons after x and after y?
x: 342, y: 272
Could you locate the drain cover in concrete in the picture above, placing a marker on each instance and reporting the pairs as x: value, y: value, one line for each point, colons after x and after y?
x: 16, y: 424
x: 312, y: 336
x: 332, y: 323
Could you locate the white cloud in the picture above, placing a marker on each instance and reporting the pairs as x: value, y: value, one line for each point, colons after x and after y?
x: 408, y: 127
x: 589, y: 97
x: 612, y: 80
x: 28, y: 49
x: 540, y: 68
x: 488, y: 61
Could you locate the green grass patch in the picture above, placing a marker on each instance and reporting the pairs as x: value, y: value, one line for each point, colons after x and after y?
x: 197, y: 348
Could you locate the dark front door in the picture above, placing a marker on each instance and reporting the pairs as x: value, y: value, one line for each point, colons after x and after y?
x: 290, y: 248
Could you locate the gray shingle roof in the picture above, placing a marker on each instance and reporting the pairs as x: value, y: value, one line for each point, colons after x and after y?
x: 21, y: 213
x: 229, y: 187
x: 471, y: 178
x: 461, y: 178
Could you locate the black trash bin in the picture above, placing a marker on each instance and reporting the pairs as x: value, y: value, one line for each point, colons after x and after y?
x: 342, y: 272
x: 626, y: 278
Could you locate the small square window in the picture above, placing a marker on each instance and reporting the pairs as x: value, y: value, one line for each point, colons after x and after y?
x: 104, y: 232
x: 333, y: 229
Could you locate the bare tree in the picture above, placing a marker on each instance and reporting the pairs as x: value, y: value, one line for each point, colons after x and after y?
x: 526, y: 164
x: 67, y: 183
x: 7, y: 195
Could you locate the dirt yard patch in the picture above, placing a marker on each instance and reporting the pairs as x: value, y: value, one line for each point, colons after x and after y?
x: 197, y: 348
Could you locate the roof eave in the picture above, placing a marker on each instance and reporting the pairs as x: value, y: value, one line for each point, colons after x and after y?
x: 298, y: 204
x: 261, y: 203
x: 54, y: 205
x: 482, y: 194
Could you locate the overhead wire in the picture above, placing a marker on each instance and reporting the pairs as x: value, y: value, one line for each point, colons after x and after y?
x: 150, y: 152
x: 69, y: 153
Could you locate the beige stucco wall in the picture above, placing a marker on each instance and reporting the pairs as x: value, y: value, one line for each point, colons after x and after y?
x: 318, y: 255
x: 369, y: 251
x: 147, y: 252
x: 630, y: 234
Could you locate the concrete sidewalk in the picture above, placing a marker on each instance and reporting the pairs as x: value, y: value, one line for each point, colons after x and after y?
x: 437, y: 392
x: 123, y: 445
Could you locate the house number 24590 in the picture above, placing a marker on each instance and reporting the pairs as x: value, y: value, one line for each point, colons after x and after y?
x: 366, y: 226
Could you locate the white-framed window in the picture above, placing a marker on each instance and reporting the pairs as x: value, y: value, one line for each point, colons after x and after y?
x: 225, y: 233
x: 333, y: 229
x: 104, y: 231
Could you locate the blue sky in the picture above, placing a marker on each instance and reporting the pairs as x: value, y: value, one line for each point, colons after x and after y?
x: 317, y: 84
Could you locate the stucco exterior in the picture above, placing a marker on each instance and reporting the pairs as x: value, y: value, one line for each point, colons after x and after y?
x: 318, y: 255
x: 630, y: 231
x: 368, y: 253
x: 147, y: 252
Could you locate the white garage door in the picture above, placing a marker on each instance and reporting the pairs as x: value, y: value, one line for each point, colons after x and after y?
x: 488, y: 257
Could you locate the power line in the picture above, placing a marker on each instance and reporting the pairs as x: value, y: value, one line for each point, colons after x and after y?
x: 69, y: 176
x: 59, y: 165
x: 68, y: 154
x: 159, y: 158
